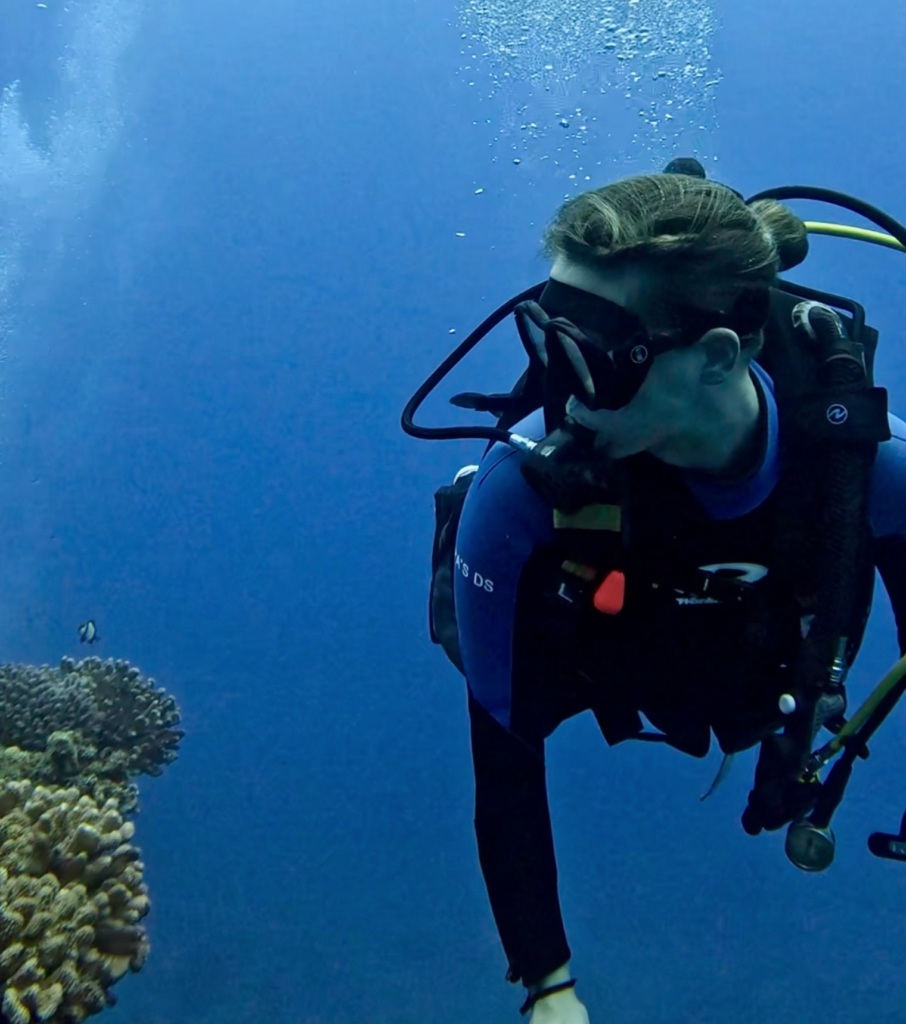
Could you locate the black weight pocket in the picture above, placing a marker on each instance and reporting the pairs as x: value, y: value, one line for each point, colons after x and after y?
x: 448, y: 503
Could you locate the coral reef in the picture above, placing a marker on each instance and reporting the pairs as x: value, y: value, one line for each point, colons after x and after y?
x: 95, y: 724
x: 107, y: 703
x: 71, y: 898
x: 35, y: 702
x: 71, y: 890
x: 67, y: 762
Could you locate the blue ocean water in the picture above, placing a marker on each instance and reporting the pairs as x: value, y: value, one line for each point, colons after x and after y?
x: 233, y: 240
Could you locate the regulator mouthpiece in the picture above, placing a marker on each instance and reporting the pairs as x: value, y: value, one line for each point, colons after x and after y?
x: 564, y: 469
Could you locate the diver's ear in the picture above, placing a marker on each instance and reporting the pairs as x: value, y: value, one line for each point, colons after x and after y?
x: 720, y: 348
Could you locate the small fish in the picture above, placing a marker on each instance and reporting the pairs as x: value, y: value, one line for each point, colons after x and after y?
x: 88, y: 632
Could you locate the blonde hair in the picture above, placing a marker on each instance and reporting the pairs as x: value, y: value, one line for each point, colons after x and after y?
x: 699, y: 240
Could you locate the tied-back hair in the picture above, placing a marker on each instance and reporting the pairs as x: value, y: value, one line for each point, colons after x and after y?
x: 697, y: 238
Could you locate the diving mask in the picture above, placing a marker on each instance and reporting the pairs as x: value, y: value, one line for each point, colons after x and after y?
x: 601, y: 353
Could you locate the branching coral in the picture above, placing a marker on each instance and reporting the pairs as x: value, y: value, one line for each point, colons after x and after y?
x: 97, y: 721
x: 67, y: 762
x: 71, y: 889
x: 35, y: 702
x: 133, y: 719
x: 71, y: 899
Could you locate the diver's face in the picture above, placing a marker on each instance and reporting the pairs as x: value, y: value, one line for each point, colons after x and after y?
x: 665, y: 405
x: 659, y: 414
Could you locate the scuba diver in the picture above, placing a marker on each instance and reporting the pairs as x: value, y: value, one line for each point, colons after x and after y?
x: 678, y: 515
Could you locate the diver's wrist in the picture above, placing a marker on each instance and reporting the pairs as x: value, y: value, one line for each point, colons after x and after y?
x: 554, y: 978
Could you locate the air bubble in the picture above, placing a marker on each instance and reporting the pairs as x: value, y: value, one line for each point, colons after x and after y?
x: 540, y: 54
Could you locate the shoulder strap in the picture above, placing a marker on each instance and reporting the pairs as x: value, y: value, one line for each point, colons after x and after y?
x: 831, y: 421
x: 811, y: 445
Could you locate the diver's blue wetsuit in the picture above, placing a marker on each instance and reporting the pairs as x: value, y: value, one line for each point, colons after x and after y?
x: 504, y: 523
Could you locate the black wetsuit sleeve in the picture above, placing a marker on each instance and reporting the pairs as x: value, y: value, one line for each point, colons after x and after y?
x: 502, y: 524
x: 516, y: 847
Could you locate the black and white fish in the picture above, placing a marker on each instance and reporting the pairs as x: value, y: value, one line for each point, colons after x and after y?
x: 88, y: 632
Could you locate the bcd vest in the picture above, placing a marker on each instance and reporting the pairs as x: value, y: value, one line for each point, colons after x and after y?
x: 709, y: 627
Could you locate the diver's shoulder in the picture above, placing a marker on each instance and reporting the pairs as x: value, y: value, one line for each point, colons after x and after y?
x: 501, y: 497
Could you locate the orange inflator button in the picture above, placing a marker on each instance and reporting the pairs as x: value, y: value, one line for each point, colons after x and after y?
x: 610, y: 595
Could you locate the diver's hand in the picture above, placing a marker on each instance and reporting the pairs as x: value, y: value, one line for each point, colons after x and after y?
x: 559, y: 1008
